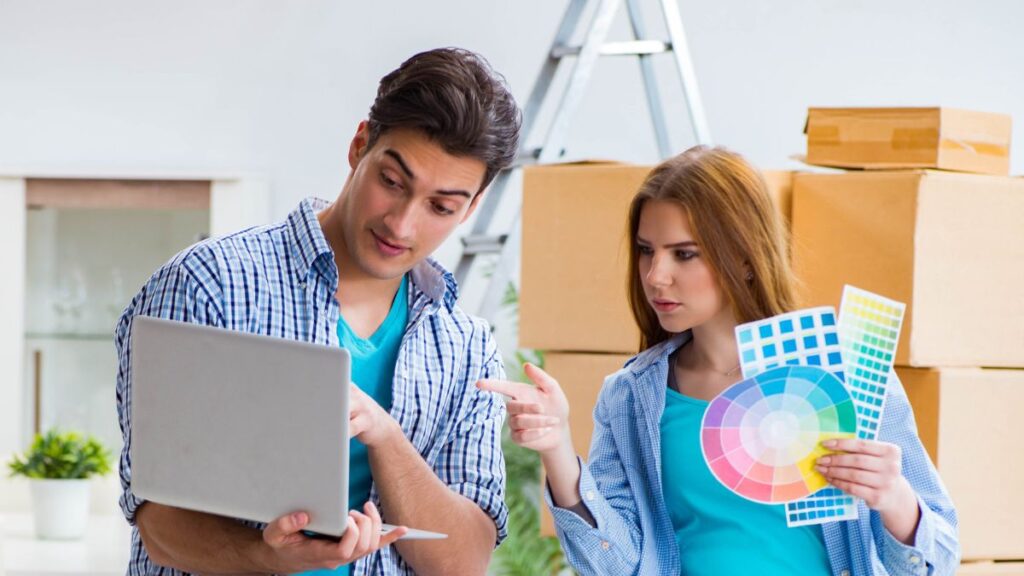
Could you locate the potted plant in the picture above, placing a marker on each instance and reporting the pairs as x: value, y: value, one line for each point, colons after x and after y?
x: 58, y: 466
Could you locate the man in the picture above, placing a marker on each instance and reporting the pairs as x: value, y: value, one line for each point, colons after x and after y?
x: 357, y: 273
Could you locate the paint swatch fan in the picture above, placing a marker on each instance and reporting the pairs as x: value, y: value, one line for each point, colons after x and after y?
x: 762, y: 436
x: 808, y: 378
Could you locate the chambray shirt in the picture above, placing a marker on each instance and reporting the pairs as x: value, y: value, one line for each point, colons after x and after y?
x: 280, y: 280
x: 621, y: 487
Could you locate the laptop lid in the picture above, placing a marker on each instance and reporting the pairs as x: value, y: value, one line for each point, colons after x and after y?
x: 238, y: 424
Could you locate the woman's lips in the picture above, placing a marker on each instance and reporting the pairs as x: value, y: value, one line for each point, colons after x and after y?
x: 664, y: 305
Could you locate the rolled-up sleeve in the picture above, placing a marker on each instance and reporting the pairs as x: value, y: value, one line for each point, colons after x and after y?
x: 612, y: 546
x: 936, y: 547
x: 472, y: 463
x: 186, y: 290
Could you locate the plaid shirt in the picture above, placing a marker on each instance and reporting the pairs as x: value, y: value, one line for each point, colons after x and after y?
x: 621, y: 488
x: 280, y: 280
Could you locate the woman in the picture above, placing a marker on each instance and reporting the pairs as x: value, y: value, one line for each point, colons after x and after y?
x: 709, y: 252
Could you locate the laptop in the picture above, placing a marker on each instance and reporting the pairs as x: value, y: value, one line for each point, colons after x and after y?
x: 241, y: 425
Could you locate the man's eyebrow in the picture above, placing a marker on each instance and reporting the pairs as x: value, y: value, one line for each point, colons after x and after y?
x: 405, y: 168
x: 454, y: 193
x: 401, y: 163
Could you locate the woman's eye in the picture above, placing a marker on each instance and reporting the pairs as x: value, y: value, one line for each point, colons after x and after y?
x: 644, y: 250
x: 685, y: 254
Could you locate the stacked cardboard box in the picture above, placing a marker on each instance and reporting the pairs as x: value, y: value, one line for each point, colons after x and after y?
x: 573, y: 302
x: 950, y: 245
x: 575, y: 254
x: 991, y: 569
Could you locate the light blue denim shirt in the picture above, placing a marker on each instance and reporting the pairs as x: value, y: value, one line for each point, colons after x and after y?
x: 621, y: 487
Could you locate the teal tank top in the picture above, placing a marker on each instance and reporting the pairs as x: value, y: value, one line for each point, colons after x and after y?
x: 717, y: 531
x: 373, y: 371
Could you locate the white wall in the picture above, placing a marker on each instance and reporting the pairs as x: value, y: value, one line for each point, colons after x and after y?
x: 278, y: 87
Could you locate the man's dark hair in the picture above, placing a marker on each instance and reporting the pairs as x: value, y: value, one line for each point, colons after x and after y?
x: 458, y: 100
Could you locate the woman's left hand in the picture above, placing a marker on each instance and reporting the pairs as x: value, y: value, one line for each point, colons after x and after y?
x: 873, y: 472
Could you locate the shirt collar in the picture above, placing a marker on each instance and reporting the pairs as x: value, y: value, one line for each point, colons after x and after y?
x: 659, y: 352
x: 308, y: 243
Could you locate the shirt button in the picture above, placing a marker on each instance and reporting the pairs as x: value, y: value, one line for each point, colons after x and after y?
x: 914, y: 559
x: 590, y: 494
x: 844, y: 573
x: 605, y: 545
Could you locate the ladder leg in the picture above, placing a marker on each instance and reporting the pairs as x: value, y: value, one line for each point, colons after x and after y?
x: 491, y: 201
x: 681, y: 53
x: 541, y: 88
x: 554, y: 143
x: 485, y: 214
x: 650, y: 83
x: 505, y: 273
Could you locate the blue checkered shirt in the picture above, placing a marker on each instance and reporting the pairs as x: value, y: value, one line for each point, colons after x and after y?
x: 621, y: 488
x: 280, y: 280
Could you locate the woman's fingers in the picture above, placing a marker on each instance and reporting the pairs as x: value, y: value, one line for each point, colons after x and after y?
x: 542, y: 379
x: 528, y: 421
x: 526, y: 436
x: 515, y: 407
x: 858, y: 446
x: 852, y: 475
x: 858, y: 461
x: 514, y: 390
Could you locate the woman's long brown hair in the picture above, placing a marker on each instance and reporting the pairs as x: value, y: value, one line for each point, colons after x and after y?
x: 737, y: 227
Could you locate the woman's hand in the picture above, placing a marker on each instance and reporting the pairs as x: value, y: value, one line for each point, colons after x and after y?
x: 873, y: 472
x: 538, y: 414
x: 539, y: 420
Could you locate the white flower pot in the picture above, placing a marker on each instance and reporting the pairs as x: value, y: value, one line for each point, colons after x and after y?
x: 60, y: 508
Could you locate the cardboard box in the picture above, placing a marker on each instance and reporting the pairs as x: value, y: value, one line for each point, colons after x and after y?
x: 991, y: 569
x: 942, y: 138
x: 581, y: 377
x: 968, y: 420
x: 951, y: 246
x: 575, y: 255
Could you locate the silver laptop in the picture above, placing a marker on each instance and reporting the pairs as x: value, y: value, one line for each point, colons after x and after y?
x: 240, y: 425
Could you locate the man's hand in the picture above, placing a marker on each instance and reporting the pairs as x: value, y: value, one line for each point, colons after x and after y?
x: 288, y: 550
x: 367, y: 421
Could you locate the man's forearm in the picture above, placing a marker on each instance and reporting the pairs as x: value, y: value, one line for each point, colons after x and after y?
x: 412, y: 495
x: 197, y: 542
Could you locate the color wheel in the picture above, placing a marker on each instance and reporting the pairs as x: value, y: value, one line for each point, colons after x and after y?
x: 762, y: 436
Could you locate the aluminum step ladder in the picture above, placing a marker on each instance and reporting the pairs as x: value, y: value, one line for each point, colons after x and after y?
x: 483, y: 239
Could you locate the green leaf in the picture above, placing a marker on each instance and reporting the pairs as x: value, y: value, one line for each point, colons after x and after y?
x: 58, y: 455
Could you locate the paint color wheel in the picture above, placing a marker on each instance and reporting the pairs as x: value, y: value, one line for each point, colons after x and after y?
x: 762, y: 436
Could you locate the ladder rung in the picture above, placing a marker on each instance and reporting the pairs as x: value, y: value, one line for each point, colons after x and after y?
x: 527, y: 157
x: 483, y: 244
x: 627, y: 48
x: 531, y: 156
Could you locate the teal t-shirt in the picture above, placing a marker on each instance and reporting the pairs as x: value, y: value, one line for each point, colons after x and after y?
x: 373, y: 370
x: 717, y: 531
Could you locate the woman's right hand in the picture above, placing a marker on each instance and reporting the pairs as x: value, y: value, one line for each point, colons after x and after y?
x: 538, y: 414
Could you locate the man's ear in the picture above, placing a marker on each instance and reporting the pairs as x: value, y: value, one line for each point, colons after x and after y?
x: 357, y: 148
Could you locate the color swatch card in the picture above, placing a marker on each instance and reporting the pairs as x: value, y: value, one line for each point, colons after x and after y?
x: 804, y: 338
x: 762, y: 436
x: 869, y: 329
